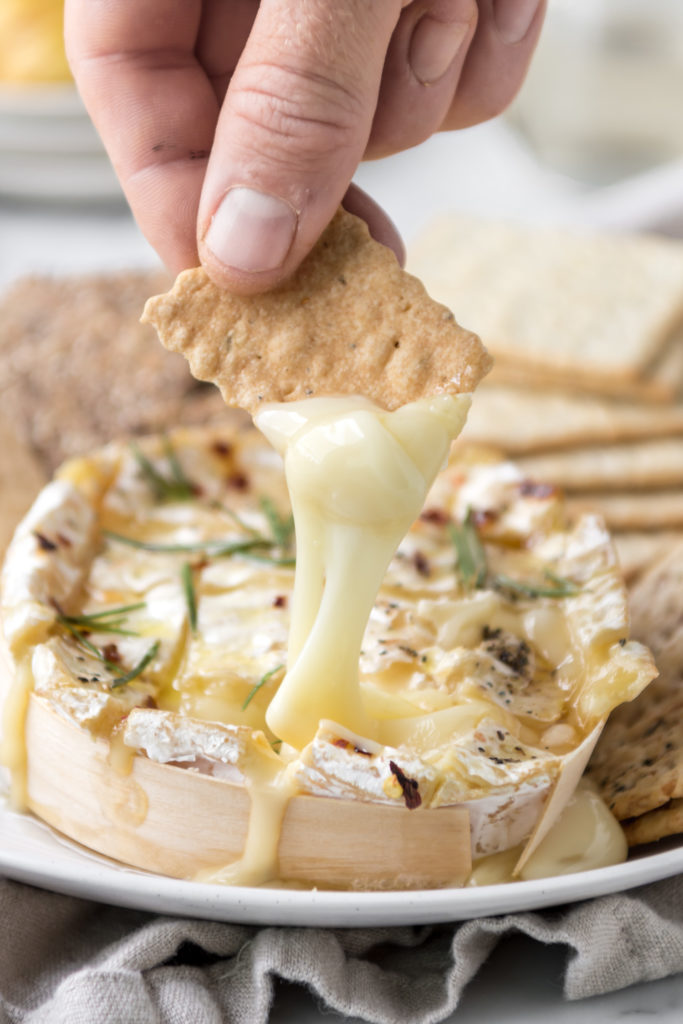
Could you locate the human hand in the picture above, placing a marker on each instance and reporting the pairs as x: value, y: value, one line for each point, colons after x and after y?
x: 235, y: 127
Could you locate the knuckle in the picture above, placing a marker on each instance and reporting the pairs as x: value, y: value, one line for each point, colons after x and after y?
x: 298, y: 111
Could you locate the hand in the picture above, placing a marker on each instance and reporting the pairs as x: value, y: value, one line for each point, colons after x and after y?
x: 236, y: 127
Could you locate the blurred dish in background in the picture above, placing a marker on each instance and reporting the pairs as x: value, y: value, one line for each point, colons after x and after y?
x: 31, y: 43
x: 49, y: 149
x: 603, y: 97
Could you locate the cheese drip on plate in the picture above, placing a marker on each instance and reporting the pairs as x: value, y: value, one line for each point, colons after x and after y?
x: 358, y: 477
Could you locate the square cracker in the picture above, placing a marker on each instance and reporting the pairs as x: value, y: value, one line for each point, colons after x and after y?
x: 632, y: 510
x: 643, y: 464
x: 656, y: 603
x: 648, y: 828
x: 661, y: 381
x: 637, y: 550
x: 589, y: 306
x: 638, y: 762
x: 521, y: 420
x: 349, y: 321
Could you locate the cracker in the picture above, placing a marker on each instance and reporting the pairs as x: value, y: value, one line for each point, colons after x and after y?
x: 648, y: 828
x: 581, y: 304
x: 21, y: 477
x: 638, y: 762
x: 520, y: 420
x: 77, y: 368
x: 662, y: 381
x: 656, y: 603
x: 637, y: 550
x: 632, y: 510
x: 349, y: 321
x: 647, y: 464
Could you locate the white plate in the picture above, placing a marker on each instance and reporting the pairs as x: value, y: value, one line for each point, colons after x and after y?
x: 49, y: 149
x: 31, y: 852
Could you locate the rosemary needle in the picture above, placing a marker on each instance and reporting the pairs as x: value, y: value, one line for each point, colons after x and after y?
x: 262, y: 682
x: 187, y: 579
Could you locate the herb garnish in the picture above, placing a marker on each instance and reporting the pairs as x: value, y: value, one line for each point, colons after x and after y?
x: 187, y: 580
x: 214, y: 548
x: 558, y: 586
x: 107, y: 621
x: 262, y: 681
x: 281, y: 527
x: 175, y: 487
x: 471, y: 562
x: 139, y: 668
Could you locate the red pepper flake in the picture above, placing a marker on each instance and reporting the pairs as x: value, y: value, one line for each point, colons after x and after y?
x: 280, y: 601
x: 44, y: 543
x: 112, y: 653
x: 421, y: 564
x: 221, y: 448
x: 340, y: 743
x: 482, y: 517
x: 434, y: 515
x: 410, y: 787
x: 239, y: 481
x: 534, y: 489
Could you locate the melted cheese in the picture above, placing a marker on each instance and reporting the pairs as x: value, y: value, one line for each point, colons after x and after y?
x: 585, y: 836
x: 358, y: 477
x: 475, y: 695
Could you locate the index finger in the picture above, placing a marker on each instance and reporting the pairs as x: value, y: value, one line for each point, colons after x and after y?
x: 154, y: 107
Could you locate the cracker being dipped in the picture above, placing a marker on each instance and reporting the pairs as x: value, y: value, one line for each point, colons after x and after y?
x: 349, y: 322
x: 381, y: 720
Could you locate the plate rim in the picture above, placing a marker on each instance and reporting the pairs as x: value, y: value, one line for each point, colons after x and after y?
x: 92, y: 877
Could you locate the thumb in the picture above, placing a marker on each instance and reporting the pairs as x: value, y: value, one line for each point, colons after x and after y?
x: 293, y: 128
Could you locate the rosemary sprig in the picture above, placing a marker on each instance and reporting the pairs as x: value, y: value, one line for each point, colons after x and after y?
x: 187, y: 580
x: 471, y: 556
x: 560, y: 587
x: 262, y: 682
x: 174, y: 488
x: 214, y: 548
x: 92, y: 618
x: 138, y: 669
x: 87, y: 645
x: 287, y: 561
x: 281, y: 527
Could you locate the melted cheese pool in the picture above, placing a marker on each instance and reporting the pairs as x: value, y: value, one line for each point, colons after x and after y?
x: 148, y: 599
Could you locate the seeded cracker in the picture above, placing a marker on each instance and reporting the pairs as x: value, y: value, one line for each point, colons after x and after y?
x: 349, y: 321
x: 638, y: 763
x: 648, y: 828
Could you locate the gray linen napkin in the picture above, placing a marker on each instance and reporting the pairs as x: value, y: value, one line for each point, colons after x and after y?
x: 72, y: 961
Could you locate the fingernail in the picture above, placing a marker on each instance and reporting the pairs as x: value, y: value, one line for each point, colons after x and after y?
x: 513, y: 18
x: 251, y: 230
x: 434, y: 46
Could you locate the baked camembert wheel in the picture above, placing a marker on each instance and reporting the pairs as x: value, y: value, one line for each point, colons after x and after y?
x: 147, y: 599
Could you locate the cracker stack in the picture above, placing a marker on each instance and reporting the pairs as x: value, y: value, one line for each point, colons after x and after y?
x: 587, y: 393
x: 587, y: 389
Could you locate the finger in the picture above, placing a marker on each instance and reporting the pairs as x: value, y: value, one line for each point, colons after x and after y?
x: 381, y: 227
x: 293, y: 128
x: 223, y: 33
x: 154, y: 107
x: 421, y: 73
x: 497, y: 60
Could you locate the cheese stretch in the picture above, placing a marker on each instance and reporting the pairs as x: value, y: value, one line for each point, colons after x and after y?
x: 358, y: 477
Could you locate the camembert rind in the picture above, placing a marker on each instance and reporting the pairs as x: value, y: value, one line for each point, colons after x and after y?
x: 432, y: 644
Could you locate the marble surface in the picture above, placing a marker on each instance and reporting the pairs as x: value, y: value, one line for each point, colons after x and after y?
x: 484, y: 169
